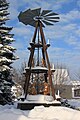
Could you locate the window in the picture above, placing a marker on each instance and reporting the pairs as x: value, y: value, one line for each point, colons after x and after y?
x: 77, y: 93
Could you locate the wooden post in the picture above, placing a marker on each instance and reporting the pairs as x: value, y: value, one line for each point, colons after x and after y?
x: 28, y: 73
x: 49, y: 69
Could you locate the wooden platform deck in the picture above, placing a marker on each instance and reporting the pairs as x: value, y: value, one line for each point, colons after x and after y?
x: 29, y: 106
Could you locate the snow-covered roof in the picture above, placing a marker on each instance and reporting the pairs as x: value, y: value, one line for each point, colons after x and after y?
x: 60, y: 75
x: 75, y: 83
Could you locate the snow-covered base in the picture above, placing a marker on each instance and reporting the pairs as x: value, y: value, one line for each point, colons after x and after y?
x: 40, y: 99
x: 39, y: 113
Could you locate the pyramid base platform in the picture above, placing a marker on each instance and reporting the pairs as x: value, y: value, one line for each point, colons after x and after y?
x: 29, y: 106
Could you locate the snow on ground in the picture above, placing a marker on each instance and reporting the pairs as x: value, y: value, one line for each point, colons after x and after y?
x: 75, y: 103
x: 9, y: 112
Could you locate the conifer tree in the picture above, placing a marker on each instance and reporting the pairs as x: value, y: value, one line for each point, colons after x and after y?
x: 6, y: 55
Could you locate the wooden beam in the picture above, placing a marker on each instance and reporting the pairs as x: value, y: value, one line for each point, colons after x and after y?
x: 28, y: 73
x: 32, y: 47
x: 49, y: 69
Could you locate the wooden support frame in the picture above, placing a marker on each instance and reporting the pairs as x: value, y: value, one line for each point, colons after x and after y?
x: 45, y: 58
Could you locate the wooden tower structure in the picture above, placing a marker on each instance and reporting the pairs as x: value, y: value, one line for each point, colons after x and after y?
x: 38, y: 19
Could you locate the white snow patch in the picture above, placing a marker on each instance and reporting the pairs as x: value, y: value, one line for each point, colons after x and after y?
x: 4, y: 59
x: 1, y: 45
x: 9, y: 112
x: 40, y: 99
x: 57, y: 113
x: 39, y: 113
x: 75, y: 103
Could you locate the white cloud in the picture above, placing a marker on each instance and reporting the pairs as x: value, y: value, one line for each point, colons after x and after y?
x: 43, y: 4
x: 78, y: 32
x: 69, y: 27
x: 60, y: 31
x: 54, y: 5
x: 54, y: 32
x: 74, y: 42
x: 13, y: 9
x: 23, y: 56
x: 57, y: 49
x: 13, y: 13
x: 15, y: 5
x: 77, y: 47
x: 72, y: 15
x: 21, y: 31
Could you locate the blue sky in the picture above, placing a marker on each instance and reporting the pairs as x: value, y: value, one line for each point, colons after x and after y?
x: 64, y: 36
